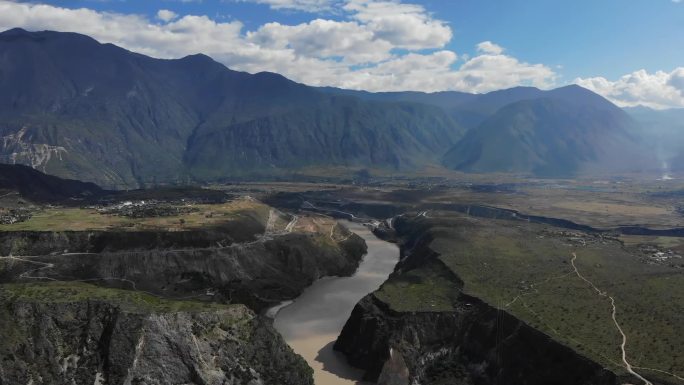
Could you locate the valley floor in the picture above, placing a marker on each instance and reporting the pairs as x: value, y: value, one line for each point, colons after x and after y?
x: 591, y: 271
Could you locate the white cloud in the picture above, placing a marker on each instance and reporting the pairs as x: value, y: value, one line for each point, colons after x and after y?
x: 435, y: 72
x: 656, y: 90
x: 489, y: 48
x: 489, y: 72
x: 677, y: 79
x: 364, y: 52
x: 166, y: 15
x: 352, y: 42
x: 404, y: 25
x: 299, y: 5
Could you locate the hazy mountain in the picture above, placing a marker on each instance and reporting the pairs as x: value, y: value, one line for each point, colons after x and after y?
x: 76, y: 108
x: 445, y: 99
x: 334, y: 131
x: 564, y: 132
x: 663, y: 132
x: 73, y: 107
x: 469, y: 110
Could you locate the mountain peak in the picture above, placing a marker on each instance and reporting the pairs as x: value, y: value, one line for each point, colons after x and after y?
x: 581, y: 96
x: 198, y: 57
x: 67, y: 37
x: 14, y: 32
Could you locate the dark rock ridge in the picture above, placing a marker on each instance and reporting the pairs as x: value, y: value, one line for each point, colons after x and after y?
x: 95, y: 342
x: 461, y: 347
x: 188, y: 314
x: 39, y: 187
x: 259, y: 273
x: 247, y: 229
x: 471, y: 343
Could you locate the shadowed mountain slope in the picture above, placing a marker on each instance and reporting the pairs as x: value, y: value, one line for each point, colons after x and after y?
x: 73, y: 107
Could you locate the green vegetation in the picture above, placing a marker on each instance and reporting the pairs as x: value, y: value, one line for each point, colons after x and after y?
x: 134, y: 301
x: 82, y: 219
x: 526, y: 270
x: 427, y: 289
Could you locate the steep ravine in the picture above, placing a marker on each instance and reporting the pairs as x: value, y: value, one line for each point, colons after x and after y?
x: 148, y: 307
x: 467, y: 342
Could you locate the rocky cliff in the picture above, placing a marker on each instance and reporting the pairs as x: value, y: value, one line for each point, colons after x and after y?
x: 207, y: 265
x: 153, y: 305
x: 439, y: 335
x: 50, y: 336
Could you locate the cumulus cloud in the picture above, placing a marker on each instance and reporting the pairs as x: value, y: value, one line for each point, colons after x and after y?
x: 658, y: 90
x: 299, y: 5
x: 489, y: 48
x: 381, y: 45
x: 166, y: 15
x: 677, y: 79
x: 435, y: 72
x: 351, y: 42
x: 403, y: 25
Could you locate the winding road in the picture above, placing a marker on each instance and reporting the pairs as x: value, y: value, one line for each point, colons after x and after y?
x: 623, y: 345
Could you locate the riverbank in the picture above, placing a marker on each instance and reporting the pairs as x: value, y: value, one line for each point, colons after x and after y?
x: 311, y: 324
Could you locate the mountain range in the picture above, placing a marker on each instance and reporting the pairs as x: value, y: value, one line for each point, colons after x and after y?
x: 76, y: 108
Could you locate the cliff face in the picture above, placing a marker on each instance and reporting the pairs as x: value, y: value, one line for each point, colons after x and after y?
x: 98, y: 241
x: 447, y: 337
x: 148, y: 307
x: 258, y: 274
x: 95, y: 342
x: 476, y: 344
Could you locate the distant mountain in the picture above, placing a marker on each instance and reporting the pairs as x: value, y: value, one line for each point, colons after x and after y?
x: 663, y: 132
x: 445, y: 99
x: 561, y: 132
x: 36, y: 186
x: 332, y: 131
x: 475, y: 108
x: 73, y: 107
x: 469, y: 110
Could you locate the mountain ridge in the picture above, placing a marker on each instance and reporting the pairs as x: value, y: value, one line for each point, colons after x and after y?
x: 566, y: 132
x: 76, y: 108
x: 65, y: 96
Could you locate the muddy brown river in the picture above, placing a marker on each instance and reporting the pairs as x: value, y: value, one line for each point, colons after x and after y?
x: 311, y: 323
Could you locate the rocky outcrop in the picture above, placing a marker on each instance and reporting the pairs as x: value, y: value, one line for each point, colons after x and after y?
x: 94, y: 342
x: 475, y: 344
x: 47, y: 242
x: 465, y: 341
x: 258, y: 274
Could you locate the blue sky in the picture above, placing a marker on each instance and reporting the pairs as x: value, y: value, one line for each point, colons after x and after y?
x: 630, y: 51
